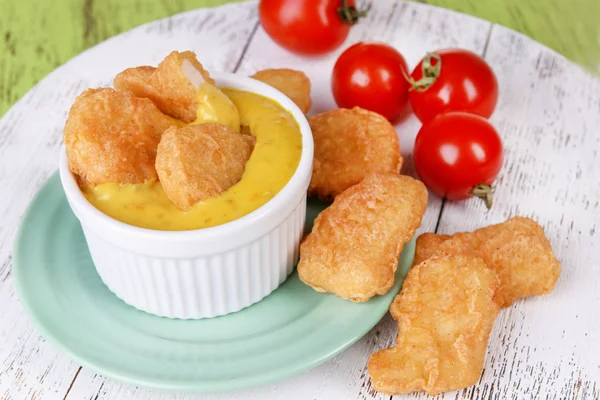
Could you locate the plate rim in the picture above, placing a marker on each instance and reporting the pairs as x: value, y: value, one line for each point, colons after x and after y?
x: 108, y: 370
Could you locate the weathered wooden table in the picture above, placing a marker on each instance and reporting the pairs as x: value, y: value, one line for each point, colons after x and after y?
x: 38, y: 36
x: 549, y: 118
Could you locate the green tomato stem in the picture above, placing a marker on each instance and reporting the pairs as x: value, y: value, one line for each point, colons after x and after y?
x: 430, y: 73
x: 484, y: 192
x: 350, y: 15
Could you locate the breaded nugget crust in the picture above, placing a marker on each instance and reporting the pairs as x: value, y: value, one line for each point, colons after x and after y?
x: 427, y: 246
x: 201, y: 161
x: 112, y: 137
x: 167, y: 86
x: 445, y: 314
x: 137, y: 81
x: 294, y: 84
x: 349, y: 145
x: 354, y: 246
x: 518, y: 250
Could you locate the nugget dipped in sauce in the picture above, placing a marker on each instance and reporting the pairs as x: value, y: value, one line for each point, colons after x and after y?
x: 294, y: 84
x: 201, y: 161
x: 518, y: 250
x: 112, y: 137
x: 182, y: 88
x: 349, y: 145
x: 445, y: 313
x: 355, y: 243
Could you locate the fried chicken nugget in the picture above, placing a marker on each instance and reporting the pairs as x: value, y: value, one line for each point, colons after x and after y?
x: 355, y: 243
x: 445, y: 314
x: 201, y: 161
x: 349, y: 145
x: 111, y: 137
x: 137, y: 82
x: 294, y: 84
x: 172, y: 86
x: 518, y: 250
x: 427, y: 246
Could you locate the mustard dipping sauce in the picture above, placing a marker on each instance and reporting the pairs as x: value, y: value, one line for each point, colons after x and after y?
x: 214, y: 106
x: 272, y: 163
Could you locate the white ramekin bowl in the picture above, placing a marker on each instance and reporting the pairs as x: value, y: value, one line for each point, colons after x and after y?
x: 206, y: 272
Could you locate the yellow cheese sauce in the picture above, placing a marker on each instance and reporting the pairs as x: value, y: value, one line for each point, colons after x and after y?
x: 273, y: 162
x: 215, y: 106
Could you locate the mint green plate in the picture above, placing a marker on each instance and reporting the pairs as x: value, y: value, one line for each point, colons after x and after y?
x: 292, y: 330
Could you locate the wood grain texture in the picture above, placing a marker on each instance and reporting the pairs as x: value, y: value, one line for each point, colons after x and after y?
x: 29, y: 145
x: 569, y: 27
x: 38, y: 36
x: 402, y: 25
x: 548, y: 115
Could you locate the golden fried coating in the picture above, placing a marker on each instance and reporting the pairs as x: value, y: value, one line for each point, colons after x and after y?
x: 111, y: 137
x: 445, y: 314
x: 294, y: 84
x: 349, y: 145
x: 355, y: 243
x: 518, y: 250
x: 201, y: 161
x: 427, y: 246
x: 172, y: 86
x: 137, y: 82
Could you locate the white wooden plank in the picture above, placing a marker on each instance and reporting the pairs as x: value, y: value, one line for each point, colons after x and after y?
x: 530, y: 353
x: 549, y: 118
x: 413, y: 29
x: 30, y: 136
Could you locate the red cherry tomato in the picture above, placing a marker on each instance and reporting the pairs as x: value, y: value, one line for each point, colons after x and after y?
x: 458, y: 155
x: 453, y: 80
x: 371, y: 76
x: 308, y: 27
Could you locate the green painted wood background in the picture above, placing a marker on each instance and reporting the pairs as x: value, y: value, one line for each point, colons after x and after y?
x: 37, y: 36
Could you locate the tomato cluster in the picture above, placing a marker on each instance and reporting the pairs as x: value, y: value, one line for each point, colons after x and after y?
x: 457, y: 153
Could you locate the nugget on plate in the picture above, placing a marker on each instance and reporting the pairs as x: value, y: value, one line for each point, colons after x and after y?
x: 111, y: 137
x: 445, y: 314
x: 518, y: 250
x: 172, y: 86
x: 201, y: 161
x: 355, y: 243
x: 427, y: 246
x: 294, y: 84
x: 349, y: 145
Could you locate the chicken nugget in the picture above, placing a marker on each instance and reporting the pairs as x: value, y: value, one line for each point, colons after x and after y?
x: 172, y: 86
x: 518, y: 250
x: 445, y: 314
x: 355, y: 243
x: 111, y: 137
x: 201, y: 161
x: 294, y: 84
x: 349, y: 145
x: 427, y: 246
x: 137, y: 81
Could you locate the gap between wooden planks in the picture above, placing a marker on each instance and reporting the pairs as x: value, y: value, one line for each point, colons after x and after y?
x: 260, y: 55
x: 528, y: 120
x: 29, y: 368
